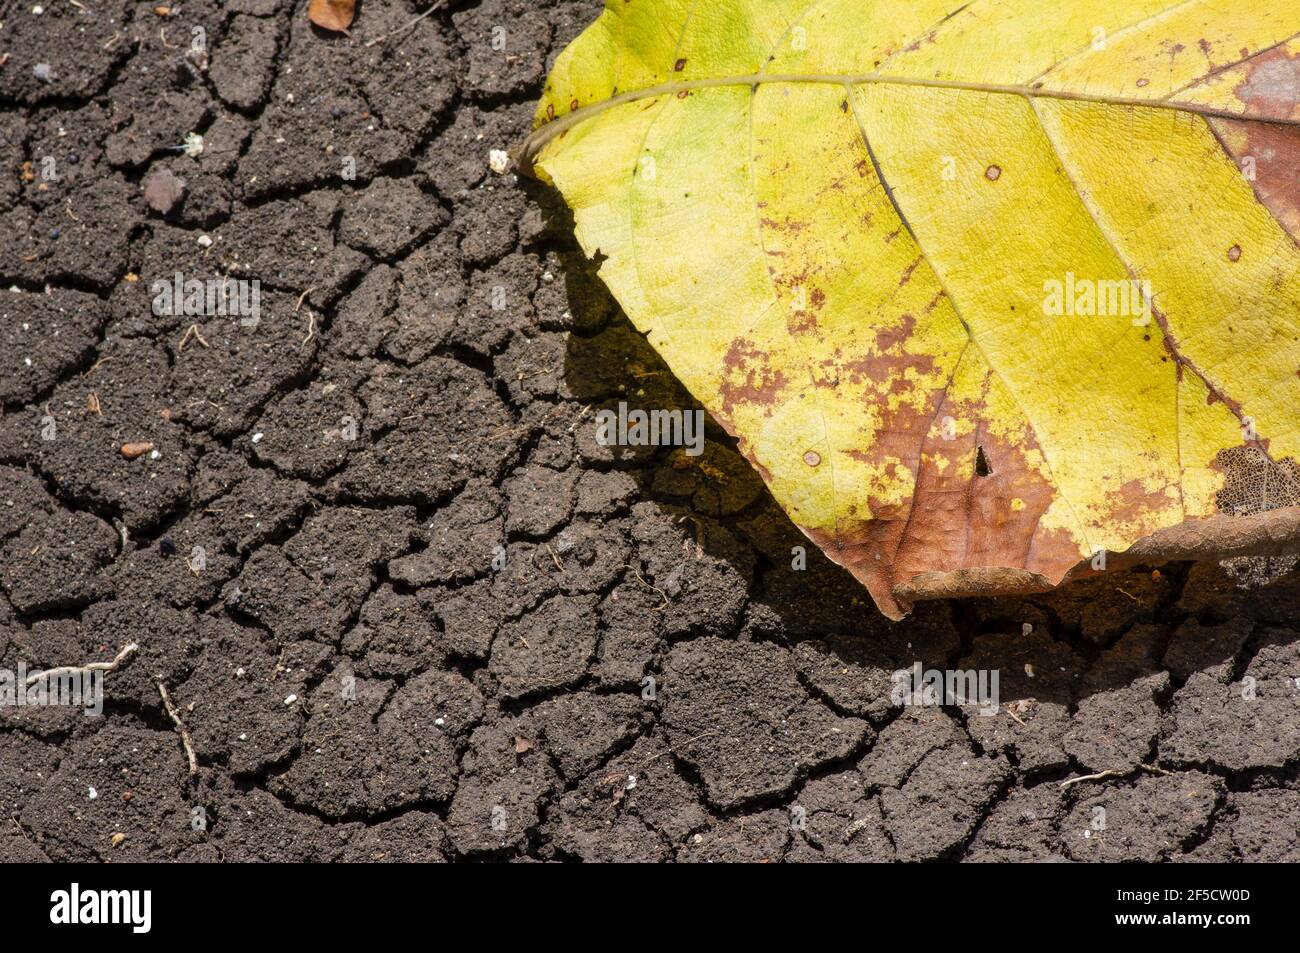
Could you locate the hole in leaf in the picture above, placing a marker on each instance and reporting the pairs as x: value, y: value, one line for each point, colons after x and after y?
x: 982, y: 467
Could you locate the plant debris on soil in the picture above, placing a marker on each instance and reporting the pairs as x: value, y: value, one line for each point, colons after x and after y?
x: 390, y: 597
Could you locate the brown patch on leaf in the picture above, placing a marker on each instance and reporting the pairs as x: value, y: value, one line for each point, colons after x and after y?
x: 749, y: 378
x: 1134, y: 504
x: 979, y: 525
x: 1271, y: 86
x: 1271, y: 152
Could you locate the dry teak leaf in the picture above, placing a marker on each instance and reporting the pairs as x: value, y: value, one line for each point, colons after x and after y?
x: 991, y: 294
x: 333, y: 15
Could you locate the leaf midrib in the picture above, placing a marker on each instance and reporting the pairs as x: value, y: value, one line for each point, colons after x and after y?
x: 544, y: 134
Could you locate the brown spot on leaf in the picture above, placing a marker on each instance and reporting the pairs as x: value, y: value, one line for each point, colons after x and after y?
x: 749, y: 378
x: 890, y: 338
x: 1234, y: 253
x: 1271, y: 86
x: 1134, y: 504
x: 993, y: 173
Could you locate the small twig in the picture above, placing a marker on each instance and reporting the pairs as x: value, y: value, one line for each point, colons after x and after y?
x: 175, y: 716
x: 311, y: 328
x: 1115, y: 773
x: 125, y: 653
x: 193, y: 329
x: 641, y: 579
x: 403, y: 29
x: 96, y: 366
x: 1099, y: 776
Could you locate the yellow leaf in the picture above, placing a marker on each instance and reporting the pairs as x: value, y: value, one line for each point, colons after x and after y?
x: 992, y: 294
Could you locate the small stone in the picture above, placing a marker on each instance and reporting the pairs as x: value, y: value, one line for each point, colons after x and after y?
x: 499, y: 161
x: 163, y: 190
x: 92, y: 794
x: 133, y: 450
x: 204, y: 241
x: 43, y: 73
x: 118, y: 839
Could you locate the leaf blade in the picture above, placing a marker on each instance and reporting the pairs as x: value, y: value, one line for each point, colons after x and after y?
x: 846, y: 411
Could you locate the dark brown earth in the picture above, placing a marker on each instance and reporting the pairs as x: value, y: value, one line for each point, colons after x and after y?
x: 647, y: 677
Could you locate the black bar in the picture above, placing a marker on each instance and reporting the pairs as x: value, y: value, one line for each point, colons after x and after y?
x: 264, y: 903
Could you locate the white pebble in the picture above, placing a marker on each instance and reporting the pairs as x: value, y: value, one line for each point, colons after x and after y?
x: 291, y: 699
x: 204, y: 241
x: 257, y: 438
x: 499, y: 161
x: 93, y: 794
